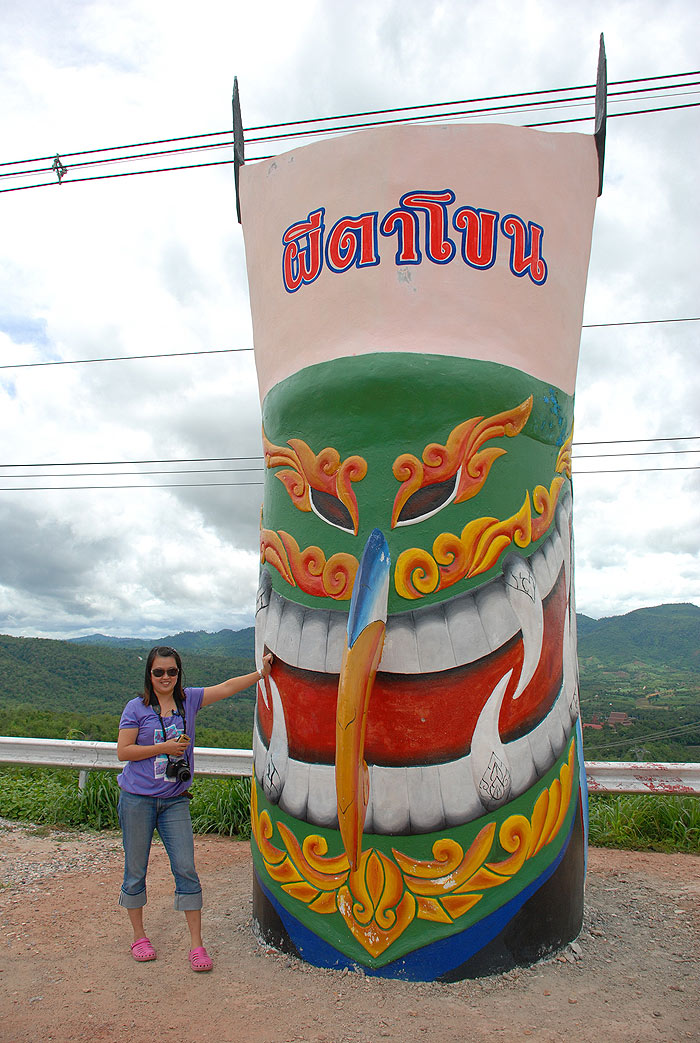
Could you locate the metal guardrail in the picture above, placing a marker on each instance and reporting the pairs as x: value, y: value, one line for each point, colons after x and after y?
x: 603, y: 776
x: 70, y: 753
x: 644, y: 777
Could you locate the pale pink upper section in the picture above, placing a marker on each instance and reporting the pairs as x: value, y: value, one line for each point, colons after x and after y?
x: 445, y: 309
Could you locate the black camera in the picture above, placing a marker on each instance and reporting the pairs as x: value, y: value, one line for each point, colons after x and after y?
x: 178, y: 768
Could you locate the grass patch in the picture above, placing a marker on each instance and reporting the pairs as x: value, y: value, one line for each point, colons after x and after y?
x: 642, y: 822
x: 51, y: 798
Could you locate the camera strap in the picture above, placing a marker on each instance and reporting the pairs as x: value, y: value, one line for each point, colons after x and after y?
x: 179, y: 710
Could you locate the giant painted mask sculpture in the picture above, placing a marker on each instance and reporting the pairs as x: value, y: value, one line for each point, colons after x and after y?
x: 418, y: 804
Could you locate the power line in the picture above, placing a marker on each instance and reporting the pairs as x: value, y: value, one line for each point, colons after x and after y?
x: 222, y: 485
x: 638, y: 322
x: 114, y: 474
x: 261, y: 466
x: 639, y: 470
x: 119, y: 463
x: 381, y: 112
x: 318, y: 134
x: 257, y: 457
x: 228, y: 351
x: 649, y: 737
x: 324, y: 126
x: 109, y: 488
x: 641, y: 452
x: 123, y: 358
x: 629, y: 441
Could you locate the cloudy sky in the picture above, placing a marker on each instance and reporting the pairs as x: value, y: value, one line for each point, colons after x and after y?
x: 154, y: 264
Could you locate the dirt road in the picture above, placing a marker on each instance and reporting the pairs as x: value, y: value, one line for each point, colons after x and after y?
x: 66, y: 973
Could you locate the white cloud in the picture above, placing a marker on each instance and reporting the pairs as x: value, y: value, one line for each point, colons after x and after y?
x: 149, y: 264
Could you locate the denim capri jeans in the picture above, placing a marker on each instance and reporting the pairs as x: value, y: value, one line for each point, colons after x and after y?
x: 139, y: 816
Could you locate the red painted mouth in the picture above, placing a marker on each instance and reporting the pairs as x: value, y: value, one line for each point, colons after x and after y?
x: 426, y: 718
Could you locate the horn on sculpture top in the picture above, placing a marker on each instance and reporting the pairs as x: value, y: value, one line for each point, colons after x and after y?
x: 601, y: 110
x: 238, y: 143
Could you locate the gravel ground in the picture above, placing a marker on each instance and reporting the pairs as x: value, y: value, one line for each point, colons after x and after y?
x: 66, y: 975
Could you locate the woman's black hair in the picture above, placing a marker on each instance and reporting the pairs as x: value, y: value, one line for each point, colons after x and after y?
x: 164, y: 652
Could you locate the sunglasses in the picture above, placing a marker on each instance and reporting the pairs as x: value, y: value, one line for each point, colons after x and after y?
x: 172, y: 671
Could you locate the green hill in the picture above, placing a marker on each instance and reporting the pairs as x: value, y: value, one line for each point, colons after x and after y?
x: 223, y: 643
x: 646, y: 663
x: 85, y: 686
x: 666, y: 635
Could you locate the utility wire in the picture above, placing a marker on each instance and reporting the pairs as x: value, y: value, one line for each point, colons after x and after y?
x: 318, y: 134
x: 322, y: 128
x: 245, y: 459
x: 633, y: 740
x: 109, y: 488
x: 123, y: 358
x: 381, y: 112
x: 222, y: 485
x: 638, y: 470
x: 228, y: 351
x: 260, y: 466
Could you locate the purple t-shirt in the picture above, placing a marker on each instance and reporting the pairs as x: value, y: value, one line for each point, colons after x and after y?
x: 147, y: 777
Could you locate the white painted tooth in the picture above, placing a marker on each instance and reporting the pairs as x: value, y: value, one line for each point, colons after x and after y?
x: 433, y: 638
x: 272, y: 621
x: 466, y: 630
x: 540, y: 567
x: 563, y: 523
x: 261, y: 605
x: 495, y: 612
x: 460, y: 799
x: 369, y: 814
x: 314, y: 639
x: 554, y: 561
x: 542, y: 753
x: 555, y: 728
x: 289, y: 636
x: 335, y: 641
x: 259, y: 754
x: 424, y: 799
x: 561, y: 707
x: 566, y: 499
x: 295, y: 795
x: 489, y: 759
x: 277, y: 754
x: 557, y: 546
x: 322, y: 807
x: 389, y: 795
x: 524, y: 597
x: 570, y: 667
x: 400, y: 654
x: 559, y: 722
x: 522, y: 766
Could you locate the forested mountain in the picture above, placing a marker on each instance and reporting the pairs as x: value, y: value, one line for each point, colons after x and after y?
x: 223, y: 643
x: 84, y: 685
x: 645, y: 663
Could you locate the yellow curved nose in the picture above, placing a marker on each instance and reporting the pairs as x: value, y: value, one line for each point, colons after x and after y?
x: 357, y: 673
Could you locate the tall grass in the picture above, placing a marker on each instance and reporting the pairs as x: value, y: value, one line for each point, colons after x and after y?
x: 646, y: 822
x: 51, y: 797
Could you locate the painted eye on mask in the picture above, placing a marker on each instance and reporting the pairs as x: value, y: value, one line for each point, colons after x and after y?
x: 455, y: 471
x: 426, y: 502
x: 319, y: 482
x: 330, y: 509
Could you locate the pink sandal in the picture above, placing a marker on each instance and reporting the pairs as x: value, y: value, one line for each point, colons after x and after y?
x: 200, y: 959
x: 142, y: 950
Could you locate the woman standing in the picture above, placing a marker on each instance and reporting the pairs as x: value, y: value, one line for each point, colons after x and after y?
x: 156, y: 739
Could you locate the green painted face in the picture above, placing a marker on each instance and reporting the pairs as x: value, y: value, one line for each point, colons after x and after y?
x: 443, y: 736
x: 381, y: 413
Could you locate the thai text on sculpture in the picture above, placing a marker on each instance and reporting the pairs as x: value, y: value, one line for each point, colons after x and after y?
x: 418, y: 804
